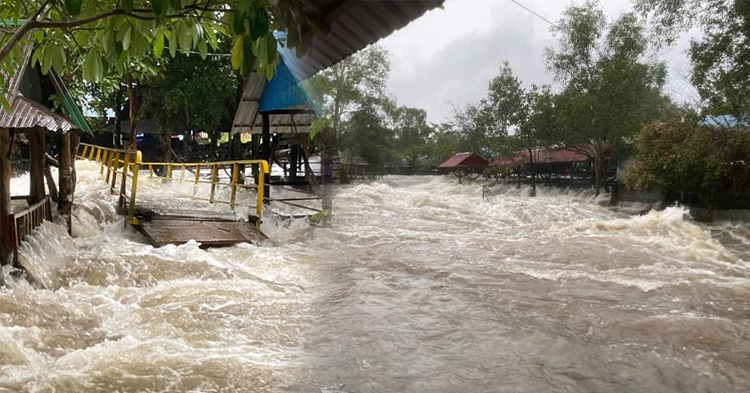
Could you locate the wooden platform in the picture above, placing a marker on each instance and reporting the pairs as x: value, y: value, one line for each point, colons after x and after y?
x: 210, y: 228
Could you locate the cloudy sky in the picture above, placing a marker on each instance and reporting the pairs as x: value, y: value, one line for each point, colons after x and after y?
x: 447, y: 57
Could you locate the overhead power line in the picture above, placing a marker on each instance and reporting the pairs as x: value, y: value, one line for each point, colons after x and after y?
x: 534, y: 12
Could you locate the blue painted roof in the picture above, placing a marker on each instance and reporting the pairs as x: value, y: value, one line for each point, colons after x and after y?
x: 726, y: 121
x: 284, y: 90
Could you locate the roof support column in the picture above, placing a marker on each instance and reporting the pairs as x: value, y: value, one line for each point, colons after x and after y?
x: 267, y: 150
x: 6, y: 245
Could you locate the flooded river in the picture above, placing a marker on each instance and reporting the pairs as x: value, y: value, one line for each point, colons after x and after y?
x: 421, y: 286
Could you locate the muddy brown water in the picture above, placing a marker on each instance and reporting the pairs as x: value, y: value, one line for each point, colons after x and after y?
x: 421, y: 286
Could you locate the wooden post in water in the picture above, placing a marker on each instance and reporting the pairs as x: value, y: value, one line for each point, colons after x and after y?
x: 75, y: 140
x: 38, y: 160
x: 65, y: 194
x: 5, y: 231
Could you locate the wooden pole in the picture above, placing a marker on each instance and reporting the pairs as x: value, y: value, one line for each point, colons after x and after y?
x: 38, y: 162
x: 6, y: 246
x: 65, y: 195
x: 294, y: 162
x: 255, y: 145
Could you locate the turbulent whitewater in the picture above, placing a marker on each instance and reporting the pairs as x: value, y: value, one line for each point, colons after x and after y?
x: 420, y: 286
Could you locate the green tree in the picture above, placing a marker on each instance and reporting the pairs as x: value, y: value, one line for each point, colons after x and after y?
x: 720, y: 57
x: 535, y: 127
x: 110, y: 32
x: 609, y: 90
x: 341, y: 89
x: 475, y: 124
x: 676, y: 154
x: 194, y: 94
x: 367, y: 135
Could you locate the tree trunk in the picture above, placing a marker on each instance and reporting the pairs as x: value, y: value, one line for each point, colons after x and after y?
x: 597, y: 173
x: 116, y: 137
x: 75, y: 140
x: 65, y: 197
x: 38, y: 160
x: 6, y: 246
x: 133, y: 142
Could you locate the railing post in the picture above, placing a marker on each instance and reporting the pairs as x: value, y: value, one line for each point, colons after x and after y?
x: 169, y: 171
x: 91, y: 153
x: 103, y: 163
x: 124, y: 184
x: 115, y: 168
x: 182, y: 173
x: 235, y: 175
x: 83, y: 153
x: 214, y: 178
x: 262, y: 170
x: 197, y: 179
x: 150, y: 170
x: 134, y: 188
x: 98, y: 153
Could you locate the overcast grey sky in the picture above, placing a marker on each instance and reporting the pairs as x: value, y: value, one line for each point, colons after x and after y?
x: 447, y: 57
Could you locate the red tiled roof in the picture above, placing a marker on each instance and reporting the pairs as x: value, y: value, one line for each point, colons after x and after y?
x: 466, y: 160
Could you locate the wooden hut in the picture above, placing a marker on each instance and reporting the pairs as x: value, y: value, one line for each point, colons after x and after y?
x: 467, y: 162
x: 29, y: 98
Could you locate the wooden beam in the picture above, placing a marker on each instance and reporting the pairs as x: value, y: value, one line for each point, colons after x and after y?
x: 5, y: 232
x: 65, y: 195
x: 38, y: 160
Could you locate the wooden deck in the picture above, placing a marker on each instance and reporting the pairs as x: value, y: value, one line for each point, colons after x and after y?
x: 210, y: 228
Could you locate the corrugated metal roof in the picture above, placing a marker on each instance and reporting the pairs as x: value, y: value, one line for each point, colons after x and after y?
x: 27, y: 113
x: 352, y: 25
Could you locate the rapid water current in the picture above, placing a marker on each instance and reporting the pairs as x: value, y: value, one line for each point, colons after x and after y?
x: 420, y: 286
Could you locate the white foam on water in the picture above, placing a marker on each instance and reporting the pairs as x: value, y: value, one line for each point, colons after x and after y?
x: 407, y: 278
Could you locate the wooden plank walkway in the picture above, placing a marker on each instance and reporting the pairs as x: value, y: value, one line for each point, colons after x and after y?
x: 211, y: 228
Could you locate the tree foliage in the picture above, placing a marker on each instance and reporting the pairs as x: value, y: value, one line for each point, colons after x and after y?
x: 194, y: 94
x: 110, y: 33
x: 340, y: 89
x: 609, y: 89
x: 677, y: 154
x: 720, y: 57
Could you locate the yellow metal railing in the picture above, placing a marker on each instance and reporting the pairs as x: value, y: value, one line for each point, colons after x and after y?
x: 127, y: 163
x: 214, y: 168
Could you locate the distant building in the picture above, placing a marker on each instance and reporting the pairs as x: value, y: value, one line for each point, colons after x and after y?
x: 467, y: 161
